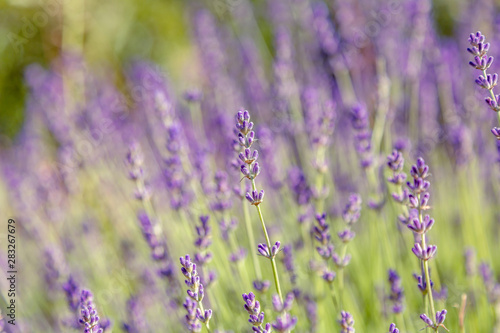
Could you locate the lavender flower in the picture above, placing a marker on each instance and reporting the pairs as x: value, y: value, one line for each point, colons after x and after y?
x: 481, y: 61
x: 395, y: 162
x: 255, y: 198
x: 222, y: 195
x: 157, y: 243
x: 284, y: 323
x: 492, y: 287
x: 72, y: 292
x: 422, y: 282
x: 89, y: 317
x: 302, y: 192
x: 261, y: 286
x: 191, y: 318
x: 250, y: 170
x: 346, y: 322
x: 204, y: 234
x: 361, y: 125
x: 285, y: 305
x: 321, y: 233
x: 393, y: 328
x: 440, y: 317
x: 256, y: 317
x: 136, y: 321
x: 396, y: 295
x: 239, y: 255
x: 418, y: 199
x: 352, y: 210
x: 264, y: 250
x: 288, y: 262
x: 135, y: 160
x: 350, y: 215
x: 196, y: 292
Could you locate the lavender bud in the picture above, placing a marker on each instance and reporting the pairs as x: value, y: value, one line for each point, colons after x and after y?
x: 286, y: 305
x: 341, y: 262
x: 284, y: 323
x: 346, y: 322
x: 426, y: 320
x: 396, y: 295
x: 424, y: 254
x: 496, y: 132
x: 261, y: 285
x: 255, y: 198
x: 421, y: 227
x: 329, y: 276
x: 393, y: 328
x: 346, y: 235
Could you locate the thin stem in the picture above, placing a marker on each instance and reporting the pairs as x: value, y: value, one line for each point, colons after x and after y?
x: 341, y: 277
x: 320, y: 176
x: 251, y: 239
x: 461, y: 315
x: 401, y: 322
x: 426, y: 269
x: 425, y: 264
x: 334, y: 299
x: 426, y: 307
x: 273, y: 261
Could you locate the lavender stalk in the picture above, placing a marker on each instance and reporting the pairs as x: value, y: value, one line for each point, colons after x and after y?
x: 89, y: 317
x: 479, y: 49
x: 419, y: 200
x: 196, y: 292
x: 351, y: 215
x: 250, y: 169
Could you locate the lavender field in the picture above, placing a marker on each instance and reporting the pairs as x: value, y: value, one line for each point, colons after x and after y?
x: 249, y: 166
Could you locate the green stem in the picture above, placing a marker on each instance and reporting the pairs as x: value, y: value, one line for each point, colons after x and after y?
x: 401, y: 322
x: 320, y: 160
x: 268, y: 241
x: 426, y: 307
x: 341, y: 277
x: 426, y: 269
x: 334, y: 299
x: 251, y: 239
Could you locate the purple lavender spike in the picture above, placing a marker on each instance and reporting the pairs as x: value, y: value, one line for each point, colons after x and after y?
x: 393, y: 328
x: 396, y: 295
x: 346, y: 322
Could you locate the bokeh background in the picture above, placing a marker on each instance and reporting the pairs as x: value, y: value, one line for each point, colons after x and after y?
x: 79, y: 80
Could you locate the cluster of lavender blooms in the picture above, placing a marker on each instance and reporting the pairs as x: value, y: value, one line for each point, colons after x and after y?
x: 417, y: 200
x: 393, y: 328
x: 396, y: 295
x: 150, y: 228
x: 89, y: 318
x: 325, y: 248
x: 250, y: 169
x: 196, y: 314
x: 491, y: 285
x: 257, y: 317
x: 204, y: 256
x: 81, y: 304
x: 333, y: 87
x: 361, y: 126
x: 346, y: 322
x: 482, y: 61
